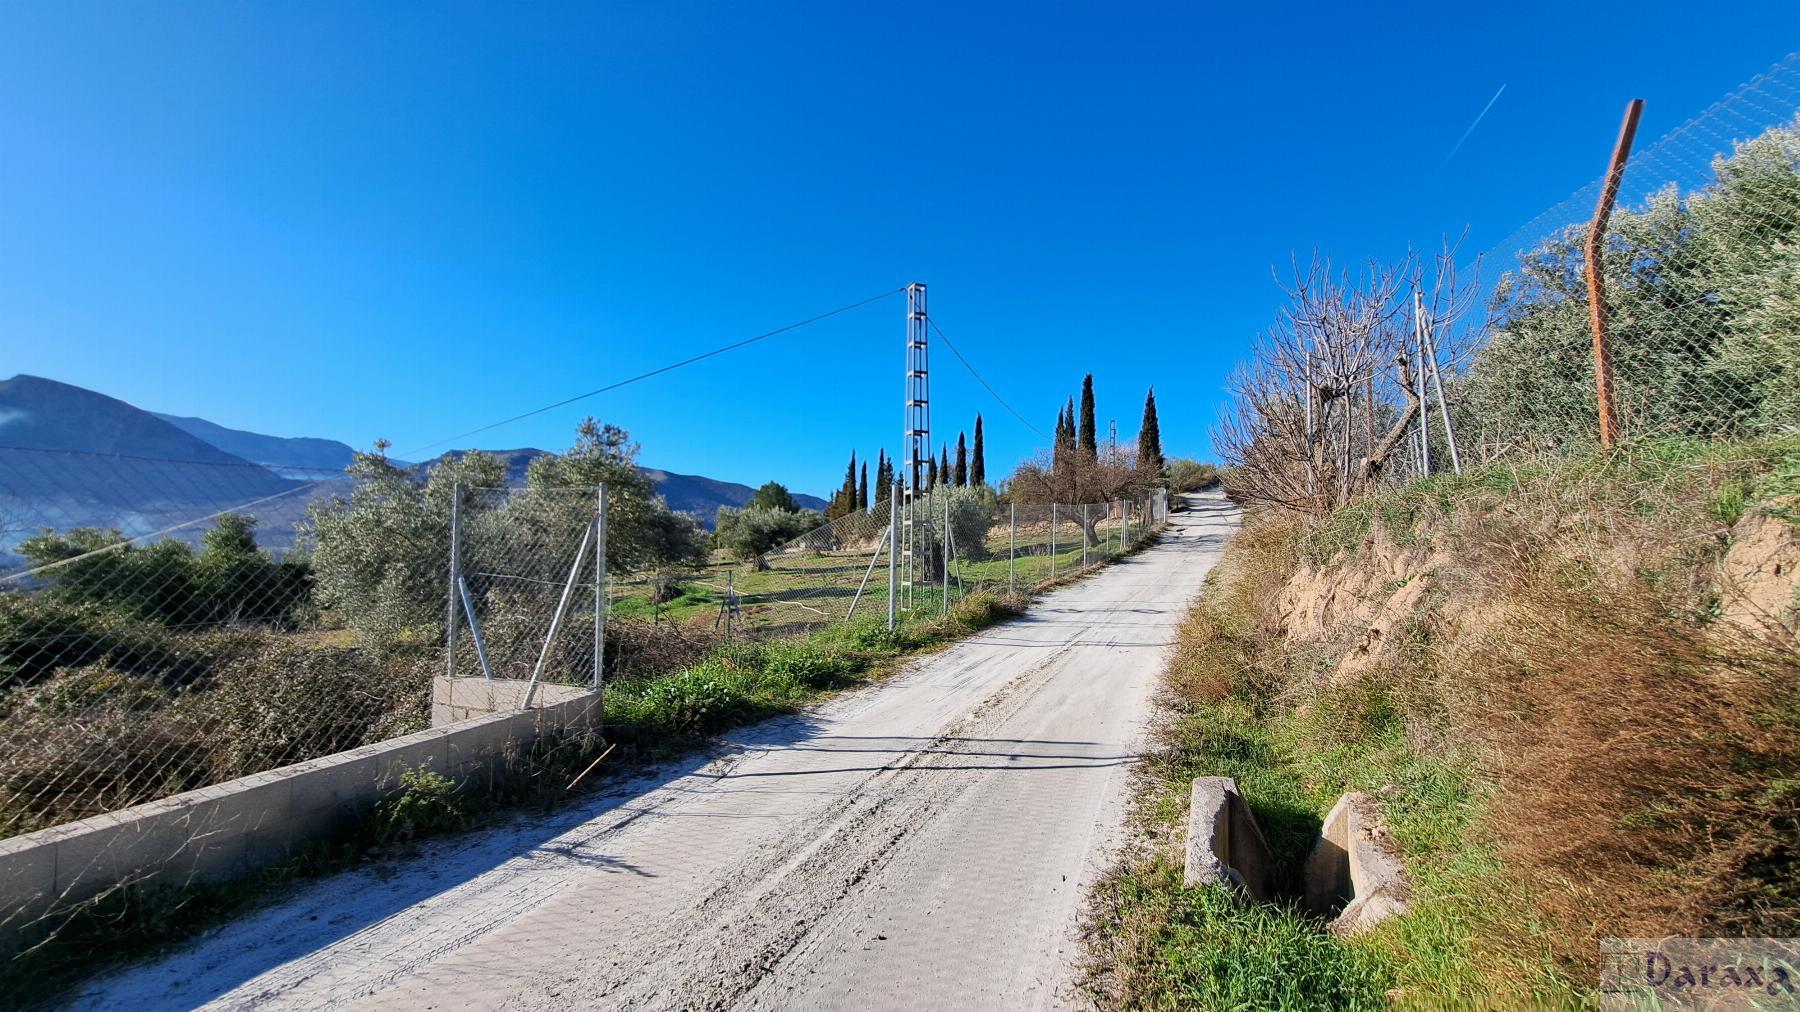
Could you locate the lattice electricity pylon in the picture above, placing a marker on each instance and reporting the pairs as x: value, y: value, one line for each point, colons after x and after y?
x: 917, y: 432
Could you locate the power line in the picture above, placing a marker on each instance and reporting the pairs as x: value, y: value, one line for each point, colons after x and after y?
x: 274, y: 469
x: 658, y: 372
x: 537, y: 411
x: 965, y: 363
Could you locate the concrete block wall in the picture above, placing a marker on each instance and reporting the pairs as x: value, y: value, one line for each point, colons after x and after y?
x: 459, y: 699
x: 227, y: 830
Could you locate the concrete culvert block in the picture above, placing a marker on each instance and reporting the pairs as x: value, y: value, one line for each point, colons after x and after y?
x: 1353, y: 875
x: 1224, y: 842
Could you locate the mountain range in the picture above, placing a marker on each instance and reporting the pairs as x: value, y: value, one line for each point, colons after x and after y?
x: 72, y: 457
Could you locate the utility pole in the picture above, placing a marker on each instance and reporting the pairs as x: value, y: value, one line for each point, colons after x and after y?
x: 916, y: 434
x: 918, y: 386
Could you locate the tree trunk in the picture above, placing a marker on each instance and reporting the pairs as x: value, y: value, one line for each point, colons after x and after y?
x: 1378, y: 457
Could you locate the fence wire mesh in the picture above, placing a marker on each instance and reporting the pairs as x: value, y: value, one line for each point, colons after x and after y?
x: 523, y: 577
x: 840, y: 571
x: 167, y: 625
x: 1701, y: 285
x: 144, y: 652
x: 1429, y: 364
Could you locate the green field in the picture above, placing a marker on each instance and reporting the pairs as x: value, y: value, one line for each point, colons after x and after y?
x: 806, y: 589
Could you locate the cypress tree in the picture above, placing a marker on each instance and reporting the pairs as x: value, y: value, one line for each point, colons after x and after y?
x: 977, y: 463
x: 962, y: 461
x: 1066, y: 433
x: 1089, y: 442
x: 1150, y: 435
x: 1061, y: 443
x: 862, y: 494
x: 845, y: 500
x: 930, y: 473
x: 944, y: 464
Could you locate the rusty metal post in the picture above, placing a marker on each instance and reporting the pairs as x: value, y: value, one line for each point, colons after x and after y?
x: 1596, y: 284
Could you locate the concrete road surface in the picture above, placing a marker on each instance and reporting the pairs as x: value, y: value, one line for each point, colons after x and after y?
x: 922, y: 843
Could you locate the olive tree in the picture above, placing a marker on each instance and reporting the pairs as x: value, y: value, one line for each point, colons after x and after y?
x: 380, y: 553
x: 749, y: 533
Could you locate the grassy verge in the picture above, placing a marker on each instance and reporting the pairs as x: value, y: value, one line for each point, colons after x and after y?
x: 1568, y: 736
x: 647, y: 718
x: 1023, y: 559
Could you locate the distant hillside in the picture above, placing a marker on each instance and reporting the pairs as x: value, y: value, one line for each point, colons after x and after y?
x: 686, y: 493
x: 702, y: 496
x: 43, y: 414
x: 320, y: 457
x: 70, y: 457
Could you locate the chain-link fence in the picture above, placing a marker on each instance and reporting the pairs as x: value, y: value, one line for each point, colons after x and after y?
x: 951, y: 542
x: 523, y: 602
x: 167, y: 625
x: 159, y: 632
x: 1430, y: 364
x: 1698, y: 271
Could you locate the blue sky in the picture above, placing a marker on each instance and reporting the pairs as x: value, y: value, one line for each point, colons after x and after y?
x: 406, y: 220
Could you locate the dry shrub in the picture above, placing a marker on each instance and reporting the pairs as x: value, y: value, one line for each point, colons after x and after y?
x: 101, y: 737
x: 1645, y: 757
x: 288, y: 702
x: 1647, y: 764
x: 1201, y: 669
x: 636, y: 648
x: 91, y: 740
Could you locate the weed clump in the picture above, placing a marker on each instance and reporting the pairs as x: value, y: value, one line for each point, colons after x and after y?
x: 690, y: 703
x: 427, y: 803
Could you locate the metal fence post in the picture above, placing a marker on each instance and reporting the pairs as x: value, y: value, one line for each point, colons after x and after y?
x: 1084, y: 530
x: 1598, y: 319
x: 946, y: 551
x: 455, y: 580
x: 1122, y: 528
x: 600, y: 591
x: 1052, y: 541
x: 893, y: 548
x: 1012, y: 546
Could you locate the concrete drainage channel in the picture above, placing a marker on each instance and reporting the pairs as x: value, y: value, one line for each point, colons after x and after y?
x: 1351, y: 877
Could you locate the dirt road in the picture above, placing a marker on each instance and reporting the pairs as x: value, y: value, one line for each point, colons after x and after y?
x: 923, y: 843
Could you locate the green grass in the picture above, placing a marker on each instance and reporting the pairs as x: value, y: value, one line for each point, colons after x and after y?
x: 1168, y: 946
x: 802, y: 591
x: 1210, y: 948
x: 741, y: 681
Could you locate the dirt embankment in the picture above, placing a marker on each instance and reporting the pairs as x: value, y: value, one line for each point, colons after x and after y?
x: 1609, y: 646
